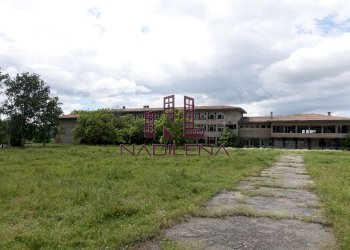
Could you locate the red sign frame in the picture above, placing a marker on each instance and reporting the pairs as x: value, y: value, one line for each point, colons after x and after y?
x: 149, y: 131
x: 169, y: 107
x: 189, y: 129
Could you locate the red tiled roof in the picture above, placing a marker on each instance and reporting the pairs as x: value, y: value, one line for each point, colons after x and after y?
x: 296, y: 117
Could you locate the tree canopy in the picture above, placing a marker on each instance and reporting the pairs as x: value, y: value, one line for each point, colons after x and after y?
x: 176, y: 128
x: 346, y: 141
x: 230, y: 139
x: 31, y: 111
x: 105, y: 127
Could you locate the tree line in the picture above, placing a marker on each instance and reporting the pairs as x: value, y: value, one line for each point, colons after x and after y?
x: 28, y: 111
x: 107, y: 127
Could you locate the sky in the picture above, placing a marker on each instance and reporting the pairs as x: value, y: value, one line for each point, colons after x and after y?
x: 286, y: 57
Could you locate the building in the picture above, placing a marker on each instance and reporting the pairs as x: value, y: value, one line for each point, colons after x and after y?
x: 309, y: 131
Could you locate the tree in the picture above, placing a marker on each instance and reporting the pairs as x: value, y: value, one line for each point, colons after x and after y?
x: 4, y: 131
x: 175, y: 128
x: 132, y: 130
x: 48, y: 121
x: 346, y: 141
x: 230, y: 139
x: 97, y: 127
x: 29, y: 107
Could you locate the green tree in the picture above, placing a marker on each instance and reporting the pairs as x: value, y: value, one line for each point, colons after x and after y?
x: 346, y: 141
x: 175, y: 128
x: 97, y: 127
x: 27, y: 100
x: 230, y: 139
x: 132, y: 130
x: 4, y: 131
x: 47, y: 122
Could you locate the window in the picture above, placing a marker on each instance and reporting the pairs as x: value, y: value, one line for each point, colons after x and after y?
x: 197, y: 116
x: 212, y: 128
x: 234, y: 126
x: 257, y: 126
x: 230, y: 126
x: 211, y: 140
x: 263, y: 126
x: 220, y: 116
x: 302, y: 129
x: 220, y: 128
x: 212, y: 116
x: 329, y: 129
x: 290, y: 129
x: 201, y: 141
x: 240, y: 126
x: 344, y: 129
x: 201, y: 126
x: 278, y: 129
x: 315, y: 129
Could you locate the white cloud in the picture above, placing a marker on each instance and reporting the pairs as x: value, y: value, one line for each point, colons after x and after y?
x: 262, y: 54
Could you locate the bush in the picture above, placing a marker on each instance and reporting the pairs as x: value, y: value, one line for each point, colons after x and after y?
x: 230, y: 139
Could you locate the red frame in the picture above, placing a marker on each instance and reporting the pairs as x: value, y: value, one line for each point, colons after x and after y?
x: 169, y: 107
x: 190, y: 131
x: 149, y: 131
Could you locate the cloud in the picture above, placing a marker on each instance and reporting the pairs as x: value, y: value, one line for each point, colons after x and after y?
x: 287, y: 56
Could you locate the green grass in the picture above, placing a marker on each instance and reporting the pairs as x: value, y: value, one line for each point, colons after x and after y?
x: 331, y: 172
x: 91, y: 197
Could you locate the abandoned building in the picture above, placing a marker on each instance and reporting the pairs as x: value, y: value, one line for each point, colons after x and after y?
x: 299, y: 131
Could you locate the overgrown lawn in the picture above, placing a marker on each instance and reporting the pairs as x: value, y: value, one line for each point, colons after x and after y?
x: 331, y: 172
x: 91, y: 197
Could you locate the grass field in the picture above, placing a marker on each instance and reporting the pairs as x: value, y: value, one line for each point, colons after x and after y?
x: 90, y: 197
x: 331, y: 172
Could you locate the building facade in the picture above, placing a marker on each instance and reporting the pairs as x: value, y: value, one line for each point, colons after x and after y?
x: 309, y: 131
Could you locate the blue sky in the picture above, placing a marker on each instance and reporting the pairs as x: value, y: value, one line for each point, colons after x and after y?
x: 280, y: 56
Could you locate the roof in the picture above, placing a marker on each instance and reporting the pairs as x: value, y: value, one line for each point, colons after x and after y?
x: 295, y: 117
x: 141, y: 110
x: 212, y: 108
x: 70, y: 116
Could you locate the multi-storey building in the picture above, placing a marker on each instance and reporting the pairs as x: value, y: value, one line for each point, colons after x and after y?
x: 289, y: 131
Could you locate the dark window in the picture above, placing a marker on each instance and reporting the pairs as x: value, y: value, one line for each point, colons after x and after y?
x: 290, y: 129
x: 302, y: 129
x: 212, y: 128
x: 329, y: 129
x: 220, y: 116
x: 315, y: 129
x: 344, y: 129
x: 278, y: 129
x: 263, y: 126
x: 235, y: 126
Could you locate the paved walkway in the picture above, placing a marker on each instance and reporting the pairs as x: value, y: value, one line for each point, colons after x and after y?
x: 275, y: 210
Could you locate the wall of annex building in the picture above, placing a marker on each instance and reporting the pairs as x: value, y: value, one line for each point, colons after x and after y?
x: 65, y: 134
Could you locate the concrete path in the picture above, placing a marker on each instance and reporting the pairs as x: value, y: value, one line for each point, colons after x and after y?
x: 275, y: 210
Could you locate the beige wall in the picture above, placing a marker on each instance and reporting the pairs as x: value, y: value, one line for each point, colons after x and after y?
x: 65, y: 134
x: 255, y: 132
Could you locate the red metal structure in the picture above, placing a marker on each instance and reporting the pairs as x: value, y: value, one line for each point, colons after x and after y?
x: 149, y: 131
x: 190, y: 131
x: 169, y: 107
